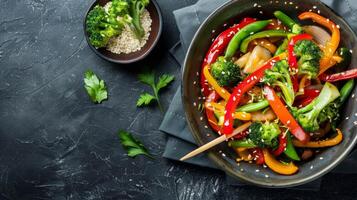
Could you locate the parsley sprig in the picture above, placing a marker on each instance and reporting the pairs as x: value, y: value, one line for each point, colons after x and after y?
x: 95, y: 87
x: 133, y: 146
x: 149, y: 79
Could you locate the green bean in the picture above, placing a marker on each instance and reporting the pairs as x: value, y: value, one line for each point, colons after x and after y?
x: 242, y: 34
x: 262, y: 34
x: 254, y: 106
x: 346, y: 90
x: 290, y: 23
x: 284, y: 18
x: 290, y: 149
x: 282, y: 47
x: 241, y: 143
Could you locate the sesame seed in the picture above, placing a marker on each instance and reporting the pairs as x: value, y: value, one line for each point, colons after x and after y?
x: 194, y: 104
x: 321, y: 158
x: 314, y: 7
x: 266, y: 176
x: 311, y: 167
x: 241, y: 169
x: 255, y: 5
x: 208, y: 135
x: 206, y: 126
x: 257, y: 170
x: 223, y: 154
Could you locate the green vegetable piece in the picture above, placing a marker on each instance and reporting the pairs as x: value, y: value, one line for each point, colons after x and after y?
x: 252, y: 107
x: 287, y: 21
x: 133, y: 146
x: 309, y: 55
x: 346, y: 90
x: 149, y: 79
x: 262, y: 34
x: 145, y: 99
x: 136, y: 9
x: 226, y: 72
x: 95, y: 87
x: 290, y: 149
x: 242, y: 34
x: 279, y: 76
x: 308, y: 116
x: 264, y: 135
x: 247, y: 143
x: 282, y: 47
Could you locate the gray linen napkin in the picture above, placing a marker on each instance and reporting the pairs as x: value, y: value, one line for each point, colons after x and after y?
x: 180, y: 140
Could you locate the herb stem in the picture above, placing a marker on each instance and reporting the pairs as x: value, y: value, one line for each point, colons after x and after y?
x: 156, y: 93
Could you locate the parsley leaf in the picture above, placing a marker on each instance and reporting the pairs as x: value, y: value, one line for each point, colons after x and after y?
x: 133, y: 146
x: 145, y: 99
x: 95, y: 87
x: 164, y: 80
x: 149, y: 79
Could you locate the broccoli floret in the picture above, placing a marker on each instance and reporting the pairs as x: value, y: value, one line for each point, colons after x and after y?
x: 135, y: 9
x: 264, y: 134
x: 330, y: 114
x: 226, y: 72
x: 118, y: 8
x: 310, y: 116
x: 101, y: 26
x: 279, y: 76
x: 309, y: 55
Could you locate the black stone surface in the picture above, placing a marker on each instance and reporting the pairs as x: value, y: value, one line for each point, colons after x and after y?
x: 56, y: 144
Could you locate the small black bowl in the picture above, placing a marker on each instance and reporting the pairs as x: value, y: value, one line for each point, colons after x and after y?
x: 234, y: 11
x: 155, y: 33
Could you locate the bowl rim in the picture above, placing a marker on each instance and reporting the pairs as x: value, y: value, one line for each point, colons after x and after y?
x: 142, y: 56
x: 215, y: 158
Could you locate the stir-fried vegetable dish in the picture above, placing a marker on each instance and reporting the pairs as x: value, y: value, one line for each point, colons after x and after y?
x: 286, y: 79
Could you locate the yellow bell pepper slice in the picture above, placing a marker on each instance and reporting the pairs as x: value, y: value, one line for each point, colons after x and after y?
x: 277, y: 166
x: 244, y: 116
x: 220, y: 90
x: 322, y: 143
x: 243, y: 154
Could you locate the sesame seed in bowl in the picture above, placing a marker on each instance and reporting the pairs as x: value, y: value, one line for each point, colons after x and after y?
x: 131, y: 35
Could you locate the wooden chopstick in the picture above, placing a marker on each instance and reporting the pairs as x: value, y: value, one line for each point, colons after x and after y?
x: 215, y: 142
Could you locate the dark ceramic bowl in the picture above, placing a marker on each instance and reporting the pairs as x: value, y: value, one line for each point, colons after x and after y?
x: 232, y: 12
x: 156, y: 28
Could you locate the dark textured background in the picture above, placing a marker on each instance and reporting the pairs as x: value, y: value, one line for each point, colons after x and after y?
x: 56, y: 144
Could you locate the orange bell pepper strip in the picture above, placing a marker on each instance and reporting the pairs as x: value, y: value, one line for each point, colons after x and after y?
x: 284, y: 115
x: 244, y: 116
x: 332, y: 45
x: 322, y: 143
x: 220, y: 90
x: 277, y: 166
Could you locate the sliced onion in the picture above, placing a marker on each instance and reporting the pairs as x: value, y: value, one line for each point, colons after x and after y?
x: 258, y: 56
x: 242, y: 60
x: 321, y: 36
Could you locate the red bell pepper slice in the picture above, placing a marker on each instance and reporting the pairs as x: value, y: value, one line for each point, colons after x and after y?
x: 239, y: 91
x: 295, y: 81
x: 308, y: 96
x: 284, y: 115
x: 258, y: 156
x: 217, y: 48
x: 282, y: 145
x: 349, y: 74
x: 291, y: 55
